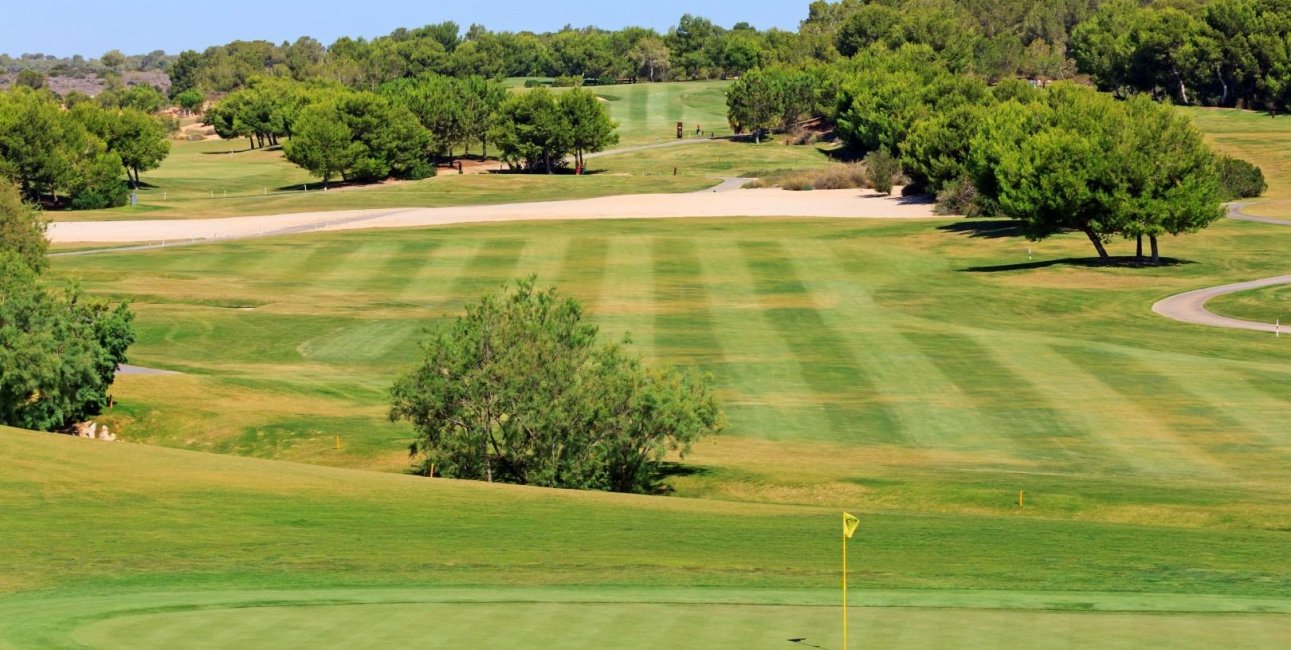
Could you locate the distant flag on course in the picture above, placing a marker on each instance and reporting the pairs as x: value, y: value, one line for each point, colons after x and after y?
x: 849, y: 525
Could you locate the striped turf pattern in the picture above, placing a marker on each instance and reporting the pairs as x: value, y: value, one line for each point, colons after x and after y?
x: 813, y: 334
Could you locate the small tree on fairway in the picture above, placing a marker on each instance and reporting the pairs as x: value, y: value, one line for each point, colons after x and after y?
x: 323, y: 145
x: 190, y: 100
x: 532, y: 132
x: 520, y: 390
x: 754, y: 102
x: 590, y: 126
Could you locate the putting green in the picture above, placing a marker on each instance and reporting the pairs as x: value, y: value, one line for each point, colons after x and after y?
x: 650, y: 626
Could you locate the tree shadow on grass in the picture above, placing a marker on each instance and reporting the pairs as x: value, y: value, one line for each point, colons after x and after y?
x: 984, y: 228
x: 1129, y: 262
x: 669, y: 470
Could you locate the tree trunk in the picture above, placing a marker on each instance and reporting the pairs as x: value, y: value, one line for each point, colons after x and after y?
x: 1139, y: 251
x: 1097, y: 242
x: 1156, y: 253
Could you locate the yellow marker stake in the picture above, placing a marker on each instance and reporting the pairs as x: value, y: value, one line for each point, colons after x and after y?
x: 849, y: 527
x: 338, y: 443
x: 1021, y: 497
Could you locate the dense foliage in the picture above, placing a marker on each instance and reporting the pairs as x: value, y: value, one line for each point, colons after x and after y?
x: 80, y: 157
x: 1218, y: 52
x: 520, y: 390
x: 408, y: 125
x: 537, y: 130
x: 58, y: 352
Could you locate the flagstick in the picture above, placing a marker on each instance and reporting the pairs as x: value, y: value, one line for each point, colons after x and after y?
x: 844, y: 590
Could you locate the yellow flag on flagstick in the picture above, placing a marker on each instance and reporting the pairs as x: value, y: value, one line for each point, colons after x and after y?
x: 849, y: 525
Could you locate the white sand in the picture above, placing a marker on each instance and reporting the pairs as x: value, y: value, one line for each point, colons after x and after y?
x: 842, y: 204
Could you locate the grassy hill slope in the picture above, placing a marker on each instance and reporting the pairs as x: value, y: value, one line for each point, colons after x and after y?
x: 120, y: 545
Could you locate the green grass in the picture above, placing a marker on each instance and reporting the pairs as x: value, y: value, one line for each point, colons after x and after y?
x: 719, y: 158
x: 1257, y: 138
x: 856, y: 360
x: 120, y: 545
x: 1263, y: 305
x: 649, y: 112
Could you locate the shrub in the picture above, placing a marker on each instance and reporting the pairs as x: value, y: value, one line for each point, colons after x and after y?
x: 841, y: 177
x: 567, y: 81
x: 1239, y: 179
x: 882, y: 170
x: 959, y: 197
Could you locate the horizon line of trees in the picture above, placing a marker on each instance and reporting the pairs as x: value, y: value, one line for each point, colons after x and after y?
x: 1206, y: 52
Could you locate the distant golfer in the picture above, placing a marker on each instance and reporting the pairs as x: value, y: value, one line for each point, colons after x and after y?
x: 698, y: 131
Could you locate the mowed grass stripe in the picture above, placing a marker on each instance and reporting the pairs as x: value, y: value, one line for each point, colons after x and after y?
x: 1190, y: 419
x: 853, y: 403
x: 1255, y: 438
x: 1009, y: 403
x: 432, y: 283
x: 1092, y: 406
x: 765, y: 394
x: 492, y: 266
x: 931, y: 411
x: 389, y: 275
x: 542, y: 257
x: 683, y: 323
x: 583, y: 270
x: 627, y: 304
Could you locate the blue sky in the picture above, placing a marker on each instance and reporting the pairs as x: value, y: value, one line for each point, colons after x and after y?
x: 64, y: 27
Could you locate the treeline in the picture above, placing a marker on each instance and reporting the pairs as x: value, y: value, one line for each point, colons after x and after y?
x: 59, y: 351
x: 995, y: 39
x: 1056, y: 159
x: 695, y: 49
x: 407, y: 126
x: 81, y: 153
x: 1215, y: 53
x: 78, y: 65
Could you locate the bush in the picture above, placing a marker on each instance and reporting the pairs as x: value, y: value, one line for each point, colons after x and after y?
x: 842, y: 177
x: 960, y: 197
x: 520, y: 389
x: 835, y: 177
x: 882, y: 170
x: 536, y: 83
x: 567, y: 81
x: 1239, y: 179
x: 800, y: 136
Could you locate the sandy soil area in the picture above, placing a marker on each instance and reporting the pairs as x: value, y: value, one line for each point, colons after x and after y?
x: 842, y: 204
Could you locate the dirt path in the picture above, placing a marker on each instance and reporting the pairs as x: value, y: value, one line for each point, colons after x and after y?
x: 1190, y: 307
x: 842, y: 204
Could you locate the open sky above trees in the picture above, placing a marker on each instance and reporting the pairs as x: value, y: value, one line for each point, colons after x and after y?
x: 92, y: 28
